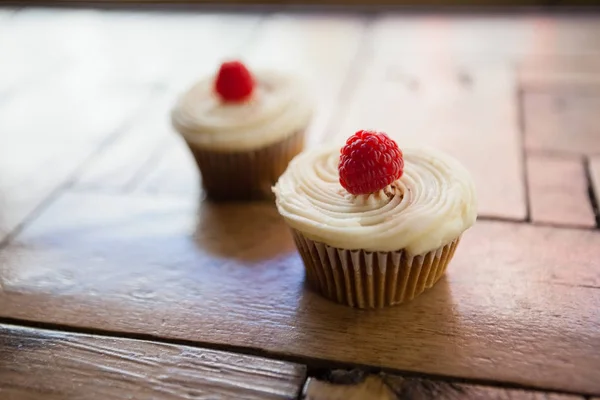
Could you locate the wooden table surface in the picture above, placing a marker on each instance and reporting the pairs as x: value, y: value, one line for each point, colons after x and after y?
x: 117, y: 280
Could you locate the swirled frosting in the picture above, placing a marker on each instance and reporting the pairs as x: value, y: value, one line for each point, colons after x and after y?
x: 433, y: 203
x: 278, y: 108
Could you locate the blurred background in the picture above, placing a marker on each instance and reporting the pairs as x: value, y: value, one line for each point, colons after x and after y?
x: 86, y: 89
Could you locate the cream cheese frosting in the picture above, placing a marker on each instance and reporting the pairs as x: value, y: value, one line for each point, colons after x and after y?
x: 278, y: 108
x: 433, y: 203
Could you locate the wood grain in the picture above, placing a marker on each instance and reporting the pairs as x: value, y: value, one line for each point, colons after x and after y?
x: 558, y: 191
x: 176, y: 268
x: 56, y: 365
x: 562, y: 121
x: 352, y: 386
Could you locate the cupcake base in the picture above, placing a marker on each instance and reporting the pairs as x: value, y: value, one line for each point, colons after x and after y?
x: 363, y: 279
x: 245, y: 175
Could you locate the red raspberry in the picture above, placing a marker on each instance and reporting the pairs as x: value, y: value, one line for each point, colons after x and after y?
x: 369, y: 162
x: 234, y: 82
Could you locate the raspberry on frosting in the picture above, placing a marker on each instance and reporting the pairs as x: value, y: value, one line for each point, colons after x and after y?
x: 234, y: 83
x: 369, y: 161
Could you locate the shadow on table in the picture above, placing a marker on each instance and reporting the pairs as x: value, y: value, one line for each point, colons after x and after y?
x: 426, y: 329
x: 252, y: 231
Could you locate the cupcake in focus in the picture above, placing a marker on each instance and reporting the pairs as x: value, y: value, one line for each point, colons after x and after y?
x: 243, y: 128
x: 375, y: 225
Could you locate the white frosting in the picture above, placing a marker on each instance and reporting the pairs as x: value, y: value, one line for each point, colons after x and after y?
x: 278, y: 108
x: 433, y: 203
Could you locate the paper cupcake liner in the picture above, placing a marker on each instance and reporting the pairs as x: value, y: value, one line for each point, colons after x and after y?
x: 245, y: 175
x: 363, y: 279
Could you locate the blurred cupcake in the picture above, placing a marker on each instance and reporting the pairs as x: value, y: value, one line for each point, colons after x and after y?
x: 375, y: 225
x: 243, y: 129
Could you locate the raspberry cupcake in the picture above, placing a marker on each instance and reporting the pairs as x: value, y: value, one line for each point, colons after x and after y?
x: 375, y: 225
x: 243, y: 129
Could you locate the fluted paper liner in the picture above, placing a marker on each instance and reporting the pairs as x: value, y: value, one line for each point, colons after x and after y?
x: 363, y: 279
x: 245, y: 175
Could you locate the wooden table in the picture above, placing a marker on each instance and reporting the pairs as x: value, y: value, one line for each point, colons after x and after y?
x: 117, y: 280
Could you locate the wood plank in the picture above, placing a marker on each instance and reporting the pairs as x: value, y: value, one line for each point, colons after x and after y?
x: 57, y: 365
x: 562, y: 121
x: 558, y: 191
x: 354, y: 385
x: 516, y: 299
x: 39, y: 154
x: 470, y: 114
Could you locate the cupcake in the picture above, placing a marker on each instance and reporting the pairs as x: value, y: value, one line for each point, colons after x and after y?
x: 243, y: 129
x: 375, y: 225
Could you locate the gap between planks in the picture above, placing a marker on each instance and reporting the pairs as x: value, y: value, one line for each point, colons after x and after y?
x: 593, y: 195
x: 315, y: 366
x: 522, y: 126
